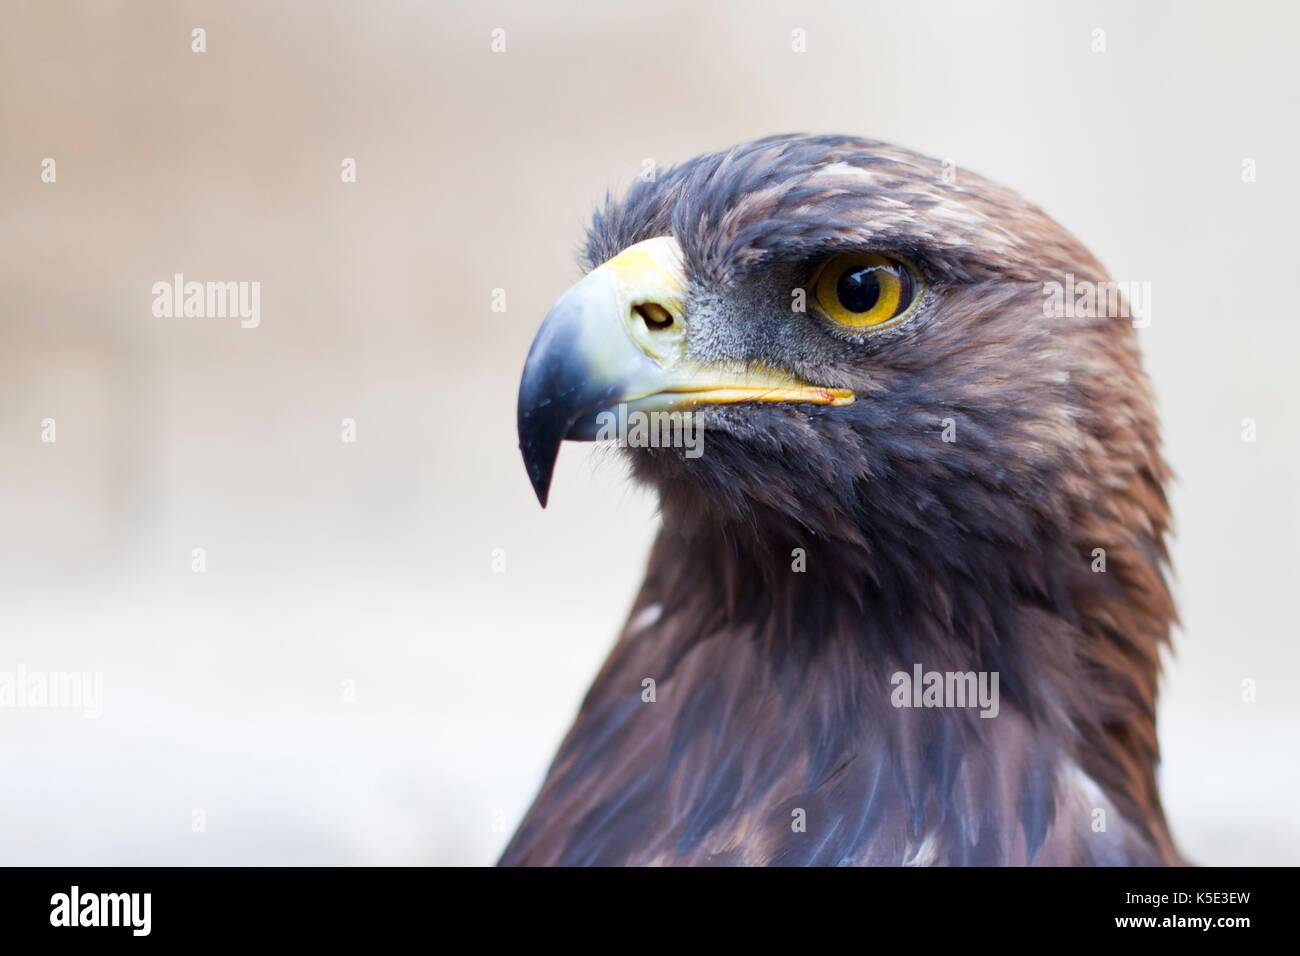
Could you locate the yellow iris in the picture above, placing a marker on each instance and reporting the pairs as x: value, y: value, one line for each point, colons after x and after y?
x: 864, y: 289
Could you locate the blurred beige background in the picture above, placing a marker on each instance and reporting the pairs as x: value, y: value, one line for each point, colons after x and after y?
x: 368, y: 566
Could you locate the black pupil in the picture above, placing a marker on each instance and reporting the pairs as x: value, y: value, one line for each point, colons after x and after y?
x: 859, y: 289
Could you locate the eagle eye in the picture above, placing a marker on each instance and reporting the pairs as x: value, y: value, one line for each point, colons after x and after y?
x: 864, y: 290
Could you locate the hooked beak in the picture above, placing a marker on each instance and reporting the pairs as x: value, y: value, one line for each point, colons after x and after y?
x: 618, y: 336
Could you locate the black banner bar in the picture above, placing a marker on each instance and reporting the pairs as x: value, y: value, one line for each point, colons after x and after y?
x: 208, y: 905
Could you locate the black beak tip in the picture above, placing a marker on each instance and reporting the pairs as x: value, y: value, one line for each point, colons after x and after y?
x: 539, y: 443
x: 540, y: 468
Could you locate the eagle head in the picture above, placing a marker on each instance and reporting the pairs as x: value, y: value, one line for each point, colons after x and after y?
x: 902, y: 449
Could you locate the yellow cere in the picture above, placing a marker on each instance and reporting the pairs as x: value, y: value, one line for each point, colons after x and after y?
x: 651, y: 271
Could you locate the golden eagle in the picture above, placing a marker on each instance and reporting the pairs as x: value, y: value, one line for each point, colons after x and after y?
x: 908, y: 598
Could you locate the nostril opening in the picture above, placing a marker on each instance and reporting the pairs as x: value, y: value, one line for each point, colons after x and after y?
x: 654, y: 315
